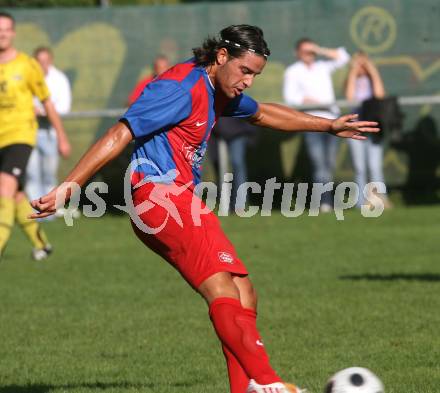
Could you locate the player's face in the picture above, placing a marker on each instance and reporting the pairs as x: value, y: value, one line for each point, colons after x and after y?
x: 7, y: 33
x: 45, y: 60
x: 237, y: 74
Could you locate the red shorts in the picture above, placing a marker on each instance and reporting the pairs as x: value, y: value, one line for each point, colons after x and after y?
x: 193, y: 243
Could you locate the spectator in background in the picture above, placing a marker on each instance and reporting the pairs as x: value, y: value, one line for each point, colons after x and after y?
x: 363, y: 83
x: 43, y: 164
x: 236, y: 133
x: 309, y: 82
x: 160, y: 65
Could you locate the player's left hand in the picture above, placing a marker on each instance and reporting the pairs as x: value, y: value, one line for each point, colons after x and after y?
x: 347, y: 127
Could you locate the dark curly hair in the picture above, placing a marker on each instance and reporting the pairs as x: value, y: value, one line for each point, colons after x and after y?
x: 237, y: 39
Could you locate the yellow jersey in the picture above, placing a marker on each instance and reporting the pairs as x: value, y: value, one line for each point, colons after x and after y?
x: 20, y: 80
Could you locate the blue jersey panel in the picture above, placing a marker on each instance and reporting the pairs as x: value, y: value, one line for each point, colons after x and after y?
x: 162, y: 104
x: 152, y: 156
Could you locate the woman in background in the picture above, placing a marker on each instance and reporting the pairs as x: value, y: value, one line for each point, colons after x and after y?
x: 363, y: 83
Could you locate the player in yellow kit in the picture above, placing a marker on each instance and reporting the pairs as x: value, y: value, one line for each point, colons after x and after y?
x: 21, y: 79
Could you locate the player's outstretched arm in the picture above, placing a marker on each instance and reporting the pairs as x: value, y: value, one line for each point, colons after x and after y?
x: 105, y: 149
x: 282, y: 118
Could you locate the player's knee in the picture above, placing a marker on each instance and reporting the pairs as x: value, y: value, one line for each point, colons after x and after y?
x: 219, y: 285
x: 248, y: 294
x: 251, y: 300
x: 19, y: 196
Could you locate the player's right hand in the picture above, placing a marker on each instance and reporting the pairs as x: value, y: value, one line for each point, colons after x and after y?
x: 45, y: 205
x: 49, y: 203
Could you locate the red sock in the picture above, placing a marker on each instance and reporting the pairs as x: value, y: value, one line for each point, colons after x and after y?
x: 236, y: 328
x: 238, y: 379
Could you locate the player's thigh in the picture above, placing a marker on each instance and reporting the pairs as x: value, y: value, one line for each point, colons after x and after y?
x: 198, y: 250
x: 8, y: 185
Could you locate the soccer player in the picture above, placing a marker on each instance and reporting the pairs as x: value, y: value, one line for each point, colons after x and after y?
x: 21, y: 78
x: 170, y: 123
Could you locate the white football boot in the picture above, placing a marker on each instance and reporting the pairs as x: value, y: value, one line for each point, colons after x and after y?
x: 277, y: 387
x: 39, y: 254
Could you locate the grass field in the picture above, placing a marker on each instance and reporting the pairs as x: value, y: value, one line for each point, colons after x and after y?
x: 105, y: 314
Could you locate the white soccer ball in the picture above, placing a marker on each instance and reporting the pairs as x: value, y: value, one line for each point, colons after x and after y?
x: 354, y: 380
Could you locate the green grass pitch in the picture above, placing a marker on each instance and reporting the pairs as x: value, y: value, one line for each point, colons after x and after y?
x: 106, y: 314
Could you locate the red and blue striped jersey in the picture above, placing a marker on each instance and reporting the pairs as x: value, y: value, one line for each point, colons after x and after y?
x: 172, y: 120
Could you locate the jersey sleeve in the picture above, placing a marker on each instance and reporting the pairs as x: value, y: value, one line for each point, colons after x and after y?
x: 241, y: 106
x: 162, y: 104
x: 36, y: 81
x: 137, y: 90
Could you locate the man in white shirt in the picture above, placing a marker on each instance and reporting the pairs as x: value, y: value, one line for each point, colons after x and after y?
x: 43, y: 163
x: 309, y: 82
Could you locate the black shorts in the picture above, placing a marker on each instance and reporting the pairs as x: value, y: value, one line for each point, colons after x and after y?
x: 14, y: 159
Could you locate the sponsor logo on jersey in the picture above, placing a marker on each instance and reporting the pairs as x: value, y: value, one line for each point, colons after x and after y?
x: 194, y: 155
x: 225, y: 257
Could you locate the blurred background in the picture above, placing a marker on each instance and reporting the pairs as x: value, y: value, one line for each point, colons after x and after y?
x: 105, y: 47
